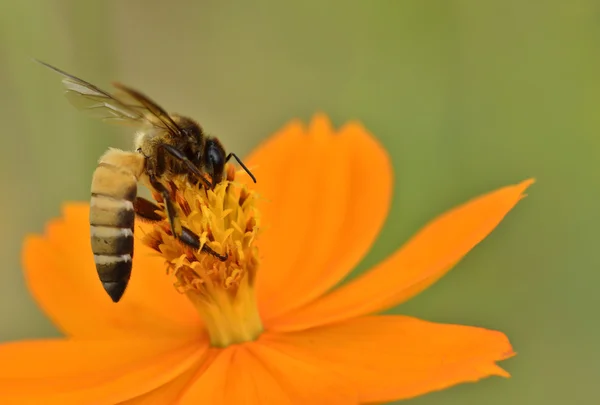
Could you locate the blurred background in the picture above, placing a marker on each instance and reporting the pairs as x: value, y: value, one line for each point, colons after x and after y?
x: 467, y: 96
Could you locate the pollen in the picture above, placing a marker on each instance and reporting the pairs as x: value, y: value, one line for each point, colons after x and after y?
x: 218, y: 277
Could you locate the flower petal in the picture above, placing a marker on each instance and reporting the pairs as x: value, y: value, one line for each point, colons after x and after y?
x: 317, y: 187
x: 73, y: 372
x: 235, y: 377
x: 257, y: 384
x: 168, y: 393
x: 306, y: 382
x: 209, y: 386
x: 254, y: 373
x: 60, y: 271
x: 418, y: 264
x: 388, y: 358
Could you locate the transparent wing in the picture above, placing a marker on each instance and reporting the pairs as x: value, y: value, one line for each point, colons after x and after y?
x: 129, y: 108
x: 152, y: 111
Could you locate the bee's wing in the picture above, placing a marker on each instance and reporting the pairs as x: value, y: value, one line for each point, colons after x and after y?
x: 132, y: 108
x: 153, y: 112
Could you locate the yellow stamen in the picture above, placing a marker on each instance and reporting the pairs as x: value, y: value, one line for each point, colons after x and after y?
x: 226, y: 220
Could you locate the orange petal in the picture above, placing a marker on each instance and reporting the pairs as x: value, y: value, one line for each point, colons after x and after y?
x: 305, y: 380
x: 388, y: 358
x: 248, y: 378
x: 60, y: 271
x: 418, y: 264
x: 72, y: 371
x: 209, y: 387
x: 235, y: 377
x: 256, y: 374
x: 168, y: 393
x: 312, y: 184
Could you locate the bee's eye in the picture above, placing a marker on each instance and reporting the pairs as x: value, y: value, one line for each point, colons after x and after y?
x: 215, y: 156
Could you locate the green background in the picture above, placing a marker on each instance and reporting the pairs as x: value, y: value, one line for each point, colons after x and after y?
x: 467, y: 96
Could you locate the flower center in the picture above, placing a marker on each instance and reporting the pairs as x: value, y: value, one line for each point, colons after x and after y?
x: 226, y: 221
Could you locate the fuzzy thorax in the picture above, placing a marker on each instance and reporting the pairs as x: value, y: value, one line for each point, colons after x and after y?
x: 226, y: 220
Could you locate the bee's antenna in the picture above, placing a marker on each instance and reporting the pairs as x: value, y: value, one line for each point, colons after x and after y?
x: 241, y: 164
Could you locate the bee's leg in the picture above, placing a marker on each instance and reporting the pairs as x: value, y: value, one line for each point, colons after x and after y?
x: 233, y: 155
x: 190, y: 166
x: 147, y: 211
x: 191, y: 239
x: 171, y: 212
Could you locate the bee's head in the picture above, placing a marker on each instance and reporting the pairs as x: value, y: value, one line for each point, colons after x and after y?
x: 204, y: 151
x: 214, y: 159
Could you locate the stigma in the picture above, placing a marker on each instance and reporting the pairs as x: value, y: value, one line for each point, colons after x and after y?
x: 218, y: 278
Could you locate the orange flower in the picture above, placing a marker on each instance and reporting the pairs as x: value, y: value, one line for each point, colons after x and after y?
x: 266, y: 326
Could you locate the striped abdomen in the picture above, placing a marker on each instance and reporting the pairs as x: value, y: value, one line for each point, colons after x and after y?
x: 112, y: 218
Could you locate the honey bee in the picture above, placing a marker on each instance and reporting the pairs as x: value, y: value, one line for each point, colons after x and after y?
x: 165, y: 145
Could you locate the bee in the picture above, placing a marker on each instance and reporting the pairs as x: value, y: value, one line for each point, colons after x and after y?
x: 165, y: 145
